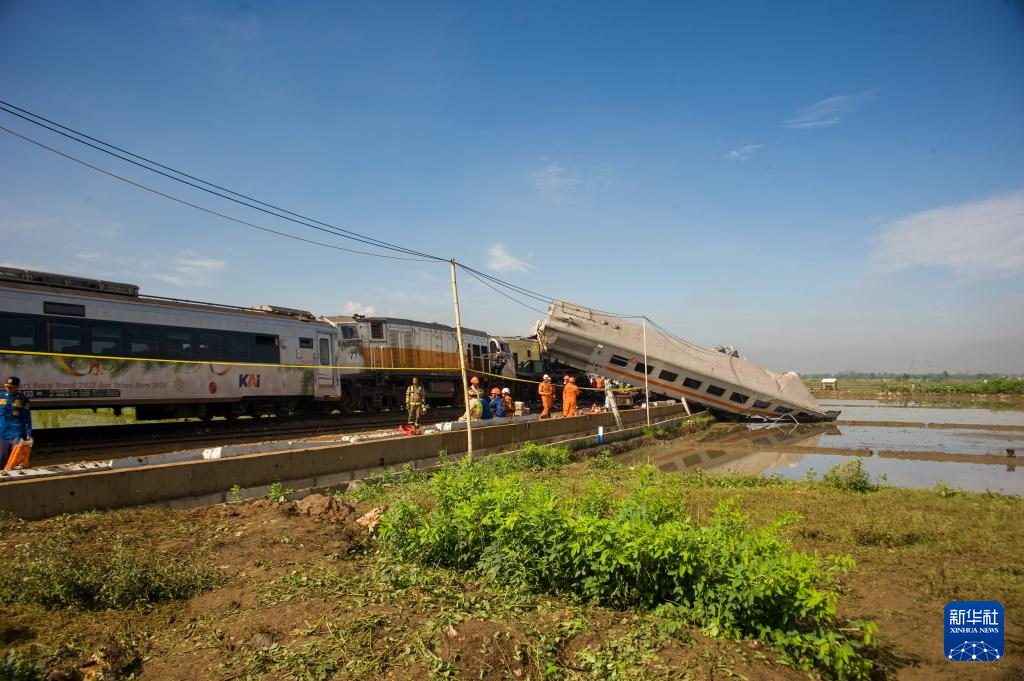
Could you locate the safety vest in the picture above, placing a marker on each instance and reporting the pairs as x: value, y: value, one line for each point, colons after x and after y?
x: 414, y: 394
x: 545, y: 389
x: 599, y: 383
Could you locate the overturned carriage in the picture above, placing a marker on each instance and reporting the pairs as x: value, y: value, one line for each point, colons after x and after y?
x: 729, y: 385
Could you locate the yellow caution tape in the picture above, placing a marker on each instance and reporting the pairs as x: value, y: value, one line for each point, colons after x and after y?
x: 60, y: 355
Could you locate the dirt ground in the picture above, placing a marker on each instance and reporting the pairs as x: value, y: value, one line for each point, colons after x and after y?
x: 302, y: 595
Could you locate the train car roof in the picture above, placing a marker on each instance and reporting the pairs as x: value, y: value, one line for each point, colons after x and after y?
x: 31, y: 280
x: 399, y: 320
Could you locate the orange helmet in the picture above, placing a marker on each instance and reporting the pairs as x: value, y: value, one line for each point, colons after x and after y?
x: 474, y: 380
x: 495, y: 391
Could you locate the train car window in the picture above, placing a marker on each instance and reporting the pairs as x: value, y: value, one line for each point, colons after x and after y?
x: 238, y: 348
x: 804, y: 414
x: 349, y: 332
x: 761, y: 404
x: 783, y: 410
x: 618, y: 361
x: 669, y: 376
x: 264, y: 350
x: 66, y: 309
x: 739, y: 397
x: 105, y: 339
x: 325, y: 351
x: 19, y: 333
x: 642, y: 368
x: 715, y: 390
x: 144, y: 342
x: 65, y: 337
x: 177, y: 344
x: 692, y: 383
x: 305, y: 342
x: 210, y: 345
x: 377, y: 330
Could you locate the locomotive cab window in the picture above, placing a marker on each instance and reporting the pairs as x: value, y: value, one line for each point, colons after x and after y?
x: 377, y: 330
x: 65, y: 337
x: 715, y: 390
x: 19, y: 333
x: 692, y: 383
x: 618, y: 361
x: 105, y: 339
x: 349, y: 332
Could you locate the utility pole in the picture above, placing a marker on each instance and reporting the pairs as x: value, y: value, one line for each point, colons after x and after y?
x: 647, y: 388
x: 462, y: 362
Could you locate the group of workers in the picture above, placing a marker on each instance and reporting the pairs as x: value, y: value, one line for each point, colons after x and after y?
x: 499, y: 402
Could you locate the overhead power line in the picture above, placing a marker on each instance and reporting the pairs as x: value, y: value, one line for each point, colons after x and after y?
x: 255, y: 204
x: 203, y: 208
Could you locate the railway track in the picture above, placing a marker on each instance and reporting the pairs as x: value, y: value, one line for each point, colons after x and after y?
x: 90, y: 443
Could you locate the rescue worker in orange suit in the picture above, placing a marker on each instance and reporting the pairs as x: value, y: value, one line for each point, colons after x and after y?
x: 547, y: 396
x: 569, y: 393
x: 15, y: 419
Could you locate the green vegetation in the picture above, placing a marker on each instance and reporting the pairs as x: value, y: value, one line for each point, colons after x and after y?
x: 53, y: 573
x: 909, y: 384
x: 640, y: 551
x: 278, y: 492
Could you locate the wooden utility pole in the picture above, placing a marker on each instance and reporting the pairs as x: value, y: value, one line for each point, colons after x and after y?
x: 462, y: 362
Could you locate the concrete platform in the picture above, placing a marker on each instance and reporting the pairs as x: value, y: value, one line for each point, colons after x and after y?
x: 311, y: 466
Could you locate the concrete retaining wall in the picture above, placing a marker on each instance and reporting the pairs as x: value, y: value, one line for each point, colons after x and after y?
x: 45, y: 497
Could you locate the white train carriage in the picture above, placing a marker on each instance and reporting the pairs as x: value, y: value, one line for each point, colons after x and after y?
x: 610, y: 346
x: 126, y: 337
x: 381, y: 354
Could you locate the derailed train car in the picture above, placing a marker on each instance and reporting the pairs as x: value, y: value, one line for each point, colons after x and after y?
x: 611, y: 346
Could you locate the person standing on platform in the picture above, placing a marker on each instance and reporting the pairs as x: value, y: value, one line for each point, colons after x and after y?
x: 547, y: 396
x: 569, y: 393
x: 415, y: 404
x: 15, y: 419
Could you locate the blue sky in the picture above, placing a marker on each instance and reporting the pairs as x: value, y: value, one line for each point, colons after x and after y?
x: 826, y: 186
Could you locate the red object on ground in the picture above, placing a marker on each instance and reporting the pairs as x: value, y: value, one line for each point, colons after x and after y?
x: 409, y: 429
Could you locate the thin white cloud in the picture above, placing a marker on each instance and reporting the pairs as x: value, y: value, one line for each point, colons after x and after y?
x: 830, y: 110
x: 744, y: 153
x: 190, y: 264
x: 500, y: 260
x: 554, y: 181
x: 352, y: 307
x: 979, y: 239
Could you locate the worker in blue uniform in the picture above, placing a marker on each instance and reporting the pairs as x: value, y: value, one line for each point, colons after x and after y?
x: 15, y: 418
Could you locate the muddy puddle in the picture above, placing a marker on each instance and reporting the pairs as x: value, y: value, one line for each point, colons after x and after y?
x: 965, y: 448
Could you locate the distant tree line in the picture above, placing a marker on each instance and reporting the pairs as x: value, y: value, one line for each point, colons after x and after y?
x: 893, y: 376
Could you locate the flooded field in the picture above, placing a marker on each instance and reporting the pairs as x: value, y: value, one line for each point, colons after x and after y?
x: 973, y: 449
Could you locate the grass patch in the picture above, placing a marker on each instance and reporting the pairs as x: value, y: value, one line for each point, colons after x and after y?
x: 54, y: 573
x: 641, y: 551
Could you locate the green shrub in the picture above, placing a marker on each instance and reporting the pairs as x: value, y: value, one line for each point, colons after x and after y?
x: 55, y: 573
x: 851, y: 476
x: 639, y: 552
x: 14, y: 667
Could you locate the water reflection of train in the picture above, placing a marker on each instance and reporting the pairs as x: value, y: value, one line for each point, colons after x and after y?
x: 737, y: 452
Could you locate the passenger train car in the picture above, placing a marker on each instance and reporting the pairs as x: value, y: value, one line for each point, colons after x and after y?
x: 601, y: 344
x: 175, y: 358
x: 129, y: 336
